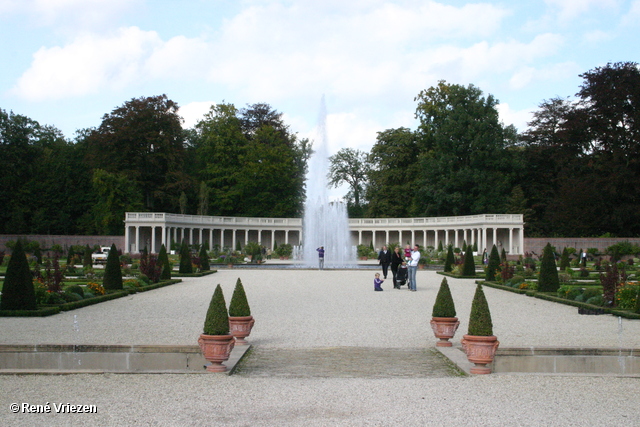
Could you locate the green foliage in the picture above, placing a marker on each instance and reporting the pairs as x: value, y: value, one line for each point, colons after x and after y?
x: 86, y: 258
x: 480, y: 323
x: 112, y: 273
x: 465, y: 166
x: 204, y: 259
x: 239, y: 306
x: 444, y: 305
x: 548, y: 280
x: 393, y: 165
x: 469, y: 268
x: 185, y: 259
x: 564, y: 260
x: 493, y: 265
x: 351, y: 167
x: 217, y: 320
x: 17, y: 291
x: 165, y: 265
x: 622, y: 248
x: 285, y: 249
x: 450, y: 261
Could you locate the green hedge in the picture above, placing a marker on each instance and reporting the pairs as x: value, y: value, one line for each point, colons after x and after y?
x: 552, y: 297
x: 202, y: 273
x: 50, y: 310
x: 41, y: 312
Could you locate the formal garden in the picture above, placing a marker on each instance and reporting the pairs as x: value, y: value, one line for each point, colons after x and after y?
x: 595, y: 282
x: 40, y: 282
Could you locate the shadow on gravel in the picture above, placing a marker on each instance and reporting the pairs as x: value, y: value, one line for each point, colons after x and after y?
x: 346, y: 362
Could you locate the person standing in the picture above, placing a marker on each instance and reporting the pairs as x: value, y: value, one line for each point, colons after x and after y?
x: 384, y: 259
x: 396, y: 260
x: 320, y: 257
x: 413, y: 267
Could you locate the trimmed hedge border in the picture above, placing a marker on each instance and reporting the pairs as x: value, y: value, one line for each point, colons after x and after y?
x: 553, y: 298
x: 455, y: 276
x: 41, y: 312
x: 202, y: 273
x: 51, y: 310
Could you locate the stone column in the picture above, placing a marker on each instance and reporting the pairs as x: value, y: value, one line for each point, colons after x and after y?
x: 510, y: 240
x: 153, y: 240
x: 137, y: 238
x: 126, y: 239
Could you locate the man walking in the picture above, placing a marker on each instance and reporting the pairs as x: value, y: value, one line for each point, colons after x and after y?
x: 413, y: 267
x: 384, y: 259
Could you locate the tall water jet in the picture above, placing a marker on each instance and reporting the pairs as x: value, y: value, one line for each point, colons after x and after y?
x: 325, y: 223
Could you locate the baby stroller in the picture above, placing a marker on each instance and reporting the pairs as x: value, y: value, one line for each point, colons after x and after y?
x: 401, y: 276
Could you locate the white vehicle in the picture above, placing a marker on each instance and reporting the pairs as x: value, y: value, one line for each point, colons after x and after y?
x: 101, y: 257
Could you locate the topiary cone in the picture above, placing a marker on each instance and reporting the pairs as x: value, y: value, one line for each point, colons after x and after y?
x: 444, y: 322
x: 112, y: 273
x: 18, y: 292
x: 215, y: 342
x: 480, y: 344
x: 240, y: 320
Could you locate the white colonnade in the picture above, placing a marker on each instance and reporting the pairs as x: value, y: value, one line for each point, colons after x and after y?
x: 152, y: 229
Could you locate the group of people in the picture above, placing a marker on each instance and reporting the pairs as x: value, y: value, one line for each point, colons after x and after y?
x: 398, y: 260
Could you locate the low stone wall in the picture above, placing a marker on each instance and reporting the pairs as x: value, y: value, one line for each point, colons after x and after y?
x: 535, y: 244
x: 46, y: 241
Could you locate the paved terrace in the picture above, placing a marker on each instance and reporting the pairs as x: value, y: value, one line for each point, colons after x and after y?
x: 310, y: 310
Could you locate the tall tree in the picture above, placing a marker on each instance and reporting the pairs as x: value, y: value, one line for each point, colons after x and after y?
x: 465, y: 162
x: 251, y: 161
x: 351, y: 167
x: 143, y: 140
x: 393, y: 170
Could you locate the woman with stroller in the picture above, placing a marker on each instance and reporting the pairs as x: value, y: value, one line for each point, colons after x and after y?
x: 396, y: 260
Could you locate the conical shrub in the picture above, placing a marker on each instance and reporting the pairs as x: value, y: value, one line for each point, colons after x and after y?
x: 18, y: 292
x: 204, y: 258
x: 86, y: 259
x: 494, y: 264
x: 163, y: 260
x: 480, y: 318
x: 239, y: 306
x: 217, y: 320
x: 444, y: 306
x: 185, y: 259
x: 469, y: 267
x: 564, y: 260
x: 112, y: 273
x: 450, y: 260
x: 548, y: 281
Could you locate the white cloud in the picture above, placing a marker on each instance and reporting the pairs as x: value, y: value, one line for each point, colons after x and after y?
x: 92, y: 64
x: 513, y: 117
x: 70, y: 13
x: 194, y: 112
x: 525, y: 76
x: 570, y: 9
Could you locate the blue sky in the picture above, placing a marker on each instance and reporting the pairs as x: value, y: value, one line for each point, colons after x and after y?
x: 66, y: 63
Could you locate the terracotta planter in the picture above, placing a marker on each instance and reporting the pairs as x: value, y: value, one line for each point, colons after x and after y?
x: 444, y: 328
x: 240, y: 328
x: 480, y: 351
x: 216, y: 349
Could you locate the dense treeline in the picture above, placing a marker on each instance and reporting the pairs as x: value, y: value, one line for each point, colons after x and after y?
x: 574, y: 172
x: 244, y: 162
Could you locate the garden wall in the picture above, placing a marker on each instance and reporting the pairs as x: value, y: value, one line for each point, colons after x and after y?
x: 535, y: 244
x: 46, y: 241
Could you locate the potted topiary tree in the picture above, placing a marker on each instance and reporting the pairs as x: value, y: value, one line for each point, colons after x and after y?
x: 480, y: 344
x: 240, y: 319
x: 444, y: 321
x: 215, y: 341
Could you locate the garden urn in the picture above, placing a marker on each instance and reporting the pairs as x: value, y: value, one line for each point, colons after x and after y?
x: 240, y: 328
x: 216, y: 349
x: 481, y: 351
x: 444, y: 328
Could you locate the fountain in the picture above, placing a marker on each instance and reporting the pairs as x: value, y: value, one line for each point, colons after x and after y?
x: 325, y: 223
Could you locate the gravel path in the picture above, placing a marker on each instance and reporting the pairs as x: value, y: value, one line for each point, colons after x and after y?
x: 302, y: 309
